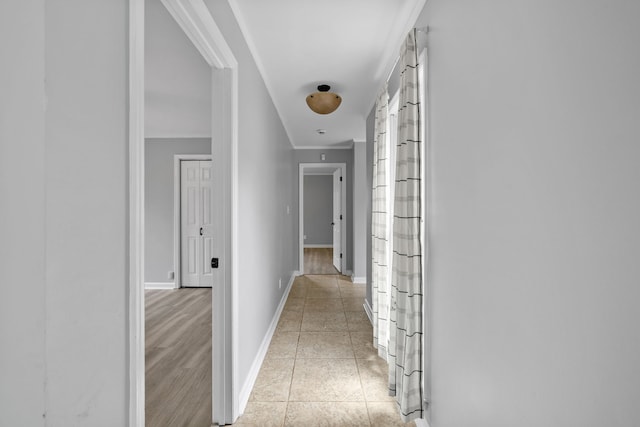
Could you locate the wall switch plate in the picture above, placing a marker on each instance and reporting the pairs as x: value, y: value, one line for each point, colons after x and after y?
x: 170, y: 275
x: 280, y: 283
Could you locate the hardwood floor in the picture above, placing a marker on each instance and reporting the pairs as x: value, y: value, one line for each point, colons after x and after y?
x: 178, y: 357
x: 319, y: 261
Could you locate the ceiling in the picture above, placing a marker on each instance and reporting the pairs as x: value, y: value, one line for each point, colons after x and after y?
x: 350, y: 45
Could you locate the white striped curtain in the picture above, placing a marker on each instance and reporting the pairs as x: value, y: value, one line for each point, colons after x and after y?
x: 405, y: 346
x: 379, y: 227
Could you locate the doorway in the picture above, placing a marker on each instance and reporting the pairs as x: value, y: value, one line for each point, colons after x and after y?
x: 196, y: 21
x: 322, y: 236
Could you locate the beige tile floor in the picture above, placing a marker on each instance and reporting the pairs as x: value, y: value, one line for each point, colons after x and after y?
x: 321, y: 368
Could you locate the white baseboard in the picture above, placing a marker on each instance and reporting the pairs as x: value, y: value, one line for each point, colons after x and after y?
x: 245, y: 391
x: 159, y: 285
x: 368, y: 310
x: 348, y: 273
x: 421, y: 422
x: 311, y: 245
x: 362, y: 280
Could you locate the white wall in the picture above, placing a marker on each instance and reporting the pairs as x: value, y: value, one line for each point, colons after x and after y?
x: 64, y: 306
x: 177, y: 79
x: 318, y: 209
x: 22, y: 214
x: 535, y: 208
x: 159, y: 199
x: 265, y: 189
x: 86, y: 212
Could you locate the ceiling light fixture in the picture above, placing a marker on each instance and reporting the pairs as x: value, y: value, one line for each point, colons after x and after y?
x: 323, y: 101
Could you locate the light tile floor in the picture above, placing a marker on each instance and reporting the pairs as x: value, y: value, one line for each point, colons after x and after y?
x: 321, y: 368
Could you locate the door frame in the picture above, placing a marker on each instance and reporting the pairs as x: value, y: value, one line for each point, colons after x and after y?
x: 337, y: 220
x: 307, y: 167
x: 196, y: 21
x: 177, y: 216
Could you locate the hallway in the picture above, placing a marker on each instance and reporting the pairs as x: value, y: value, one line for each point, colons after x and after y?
x: 321, y: 368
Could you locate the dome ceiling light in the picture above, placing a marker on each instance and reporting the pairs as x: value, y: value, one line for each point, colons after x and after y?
x: 323, y: 101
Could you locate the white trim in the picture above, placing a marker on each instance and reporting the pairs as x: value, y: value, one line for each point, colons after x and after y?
x: 393, y: 103
x: 178, y: 136
x: 159, y: 285
x: 361, y: 280
x: 368, y: 310
x: 177, y: 187
x: 226, y: 304
x: 324, y: 147
x: 312, y: 246
x: 245, y: 392
x: 194, y: 18
x: 426, y: 195
x: 312, y: 173
x: 302, y: 167
x: 421, y: 422
x: 196, y: 21
x: 136, y: 214
x: 224, y: 366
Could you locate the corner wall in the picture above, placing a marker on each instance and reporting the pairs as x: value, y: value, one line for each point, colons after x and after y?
x: 534, y: 229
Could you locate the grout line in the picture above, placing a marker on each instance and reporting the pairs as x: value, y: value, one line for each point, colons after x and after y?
x: 295, y: 362
x: 352, y: 347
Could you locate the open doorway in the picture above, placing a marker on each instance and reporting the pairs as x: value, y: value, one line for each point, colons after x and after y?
x: 194, y: 20
x: 322, y: 211
x: 178, y: 335
x: 178, y: 226
x: 319, y: 224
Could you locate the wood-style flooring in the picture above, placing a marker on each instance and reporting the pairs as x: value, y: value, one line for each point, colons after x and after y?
x: 319, y: 261
x: 178, y: 357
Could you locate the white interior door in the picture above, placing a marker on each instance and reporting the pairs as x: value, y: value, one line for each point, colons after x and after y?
x: 196, y: 245
x: 337, y: 220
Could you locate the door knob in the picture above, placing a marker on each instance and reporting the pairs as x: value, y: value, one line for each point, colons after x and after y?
x: 201, y: 231
x: 333, y: 223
